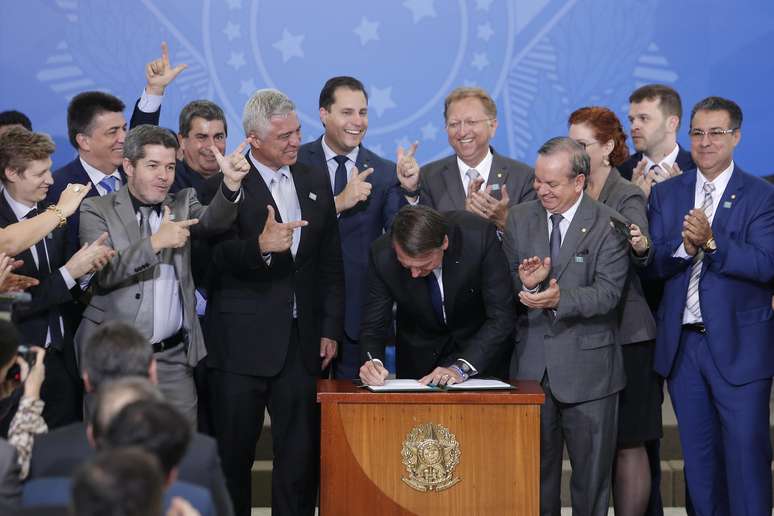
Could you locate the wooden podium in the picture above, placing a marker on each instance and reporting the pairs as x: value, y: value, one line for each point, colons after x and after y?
x: 429, y: 453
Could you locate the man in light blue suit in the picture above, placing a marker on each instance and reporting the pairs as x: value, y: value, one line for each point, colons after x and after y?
x: 367, y: 197
x: 713, y: 237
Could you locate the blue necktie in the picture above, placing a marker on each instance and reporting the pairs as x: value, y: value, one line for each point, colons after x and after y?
x: 555, y: 242
x: 435, y: 297
x: 340, y: 179
x: 109, y: 184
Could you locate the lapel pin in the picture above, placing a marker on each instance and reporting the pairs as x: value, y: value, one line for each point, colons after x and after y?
x: 583, y: 230
x: 313, y: 196
x: 499, y: 175
x: 579, y: 259
x: 727, y: 204
x: 733, y: 196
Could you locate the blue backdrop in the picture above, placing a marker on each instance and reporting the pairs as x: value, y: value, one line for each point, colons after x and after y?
x: 540, y: 59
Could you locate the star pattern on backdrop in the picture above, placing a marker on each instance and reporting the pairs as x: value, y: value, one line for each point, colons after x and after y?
x: 485, y: 31
x: 367, y: 30
x: 289, y: 45
x: 480, y: 61
x: 420, y: 9
x: 380, y: 100
x: 237, y: 60
x: 232, y: 31
x: 429, y: 131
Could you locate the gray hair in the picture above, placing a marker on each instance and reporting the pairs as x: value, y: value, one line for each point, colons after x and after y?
x: 203, y: 109
x: 579, y: 159
x: 142, y: 135
x: 262, y: 106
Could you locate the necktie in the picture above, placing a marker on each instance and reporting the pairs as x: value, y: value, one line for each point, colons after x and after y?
x: 472, y: 174
x: 692, y: 301
x: 555, y: 242
x: 109, y: 183
x: 435, y: 297
x: 44, y: 267
x: 145, y: 312
x: 340, y: 179
x: 282, y: 191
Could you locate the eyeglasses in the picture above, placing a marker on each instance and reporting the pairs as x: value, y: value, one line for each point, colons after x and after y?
x: 472, y: 124
x: 585, y: 145
x: 715, y: 134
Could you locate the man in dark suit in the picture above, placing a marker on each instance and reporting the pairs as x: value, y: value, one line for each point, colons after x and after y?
x: 475, y: 178
x: 202, y: 126
x: 281, y: 275
x: 96, y: 128
x: 366, y: 194
x: 448, y: 275
x: 117, y: 351
x: 569, y: 269
x: 49, y: 319
x: 713, y: 238
x: 655, y: 113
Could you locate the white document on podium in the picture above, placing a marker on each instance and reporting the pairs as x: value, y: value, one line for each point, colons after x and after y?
x: 400, y: 385
x: 478, y: 385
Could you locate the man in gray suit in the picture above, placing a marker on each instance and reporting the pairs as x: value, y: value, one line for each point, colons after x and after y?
x: 148, y: 284
x: 457, y: 182
x: 569, y: 267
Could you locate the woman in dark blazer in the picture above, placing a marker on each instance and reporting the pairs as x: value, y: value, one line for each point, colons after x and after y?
x: 639, y: 411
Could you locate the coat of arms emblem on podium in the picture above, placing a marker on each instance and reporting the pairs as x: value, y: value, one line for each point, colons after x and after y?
x: 430, y: 454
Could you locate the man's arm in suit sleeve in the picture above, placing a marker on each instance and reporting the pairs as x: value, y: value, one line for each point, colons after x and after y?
x: 634, y: 211
x: 214, y: 218
x: 425, y: 195
x: 52, y: 291
x: 331, y: 275
x: 151, y: 117
x: 528, y: 186
x: 10, y: 471
x: 510, y: 248
x: 499, y: 306
x: 604, y: 294
x: 394, y: 198
x: 749, y: 256
x: 127, y: 262
x: 663, y: 264
x: 377, y: 313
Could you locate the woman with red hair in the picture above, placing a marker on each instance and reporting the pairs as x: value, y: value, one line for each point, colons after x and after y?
x: 599, y: 131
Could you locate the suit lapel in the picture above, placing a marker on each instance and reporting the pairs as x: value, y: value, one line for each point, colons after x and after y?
x: 8, y: 218
x: 452, y: 265
x: 687, y: 193
x: 308, y: 200
x: 576, y: 233
x: 499, y: 173
x: 451, y: 178
x: 612, y: 178
x: 731, y: 196
x: 125, y: 213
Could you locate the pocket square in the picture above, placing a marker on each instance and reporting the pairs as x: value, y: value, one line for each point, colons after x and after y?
x: 313, y: 196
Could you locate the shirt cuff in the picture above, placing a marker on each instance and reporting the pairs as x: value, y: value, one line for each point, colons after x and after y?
x: 377, y: 360
x: 415, y: 201
x: 680, y: 253
x: 230, y: 196
x: 266, y: 258
x: 68, y: 279
x: 531, y: 290
x: 473, y: 370
x: 149, y: 103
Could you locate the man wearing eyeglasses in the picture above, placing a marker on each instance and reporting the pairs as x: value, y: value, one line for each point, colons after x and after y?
x: 713, y: 238
x: 475, y: 178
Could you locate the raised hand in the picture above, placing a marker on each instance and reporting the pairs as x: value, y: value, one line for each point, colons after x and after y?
x: 696, y: 228
x: 549, y: 298
x: 357, y: 190
x: 408, y: 168
x: 159, y: 73
x: 71, y: 197
x: 277, y: 237
x: 234, y: 166
x: 473, y: 188
x: 10, y: 282
x: 486, y: 205
x: 641, y: 178
x: 638, y: 241
x: 90, y: 258
x: 533, y: 271
x: 171, y: 234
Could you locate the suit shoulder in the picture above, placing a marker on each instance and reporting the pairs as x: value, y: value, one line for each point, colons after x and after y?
x: 524, y: 208
x: 98, y: 202
x: 466, y: 220
x: 434, y: 167
x: 514, y: 164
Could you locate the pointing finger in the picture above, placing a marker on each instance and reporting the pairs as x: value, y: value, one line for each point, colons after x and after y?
x: 412, y: 149
x: 164, y: 53
x: 270, y: 215
x: 187, y: 223
x: 241, y: 148
x: 293, y: 224
x: 167, y: 215
x: 365, y: 173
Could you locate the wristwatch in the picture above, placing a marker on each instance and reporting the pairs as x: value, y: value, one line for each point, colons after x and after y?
x: 411, y: 193
x: 710, y: 246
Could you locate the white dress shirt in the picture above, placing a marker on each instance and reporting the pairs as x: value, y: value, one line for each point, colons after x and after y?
x: 482, y: 168
x: 20, y: 210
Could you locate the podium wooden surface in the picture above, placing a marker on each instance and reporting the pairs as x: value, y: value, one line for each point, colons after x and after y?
x: 363, y: 433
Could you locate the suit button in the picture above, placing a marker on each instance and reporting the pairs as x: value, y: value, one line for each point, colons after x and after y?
x: 137, y: 296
